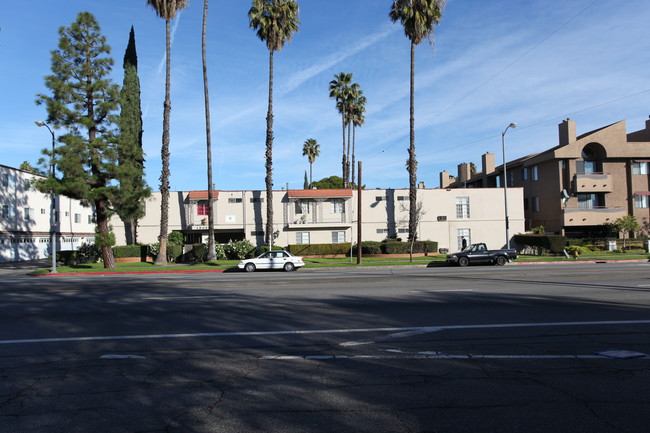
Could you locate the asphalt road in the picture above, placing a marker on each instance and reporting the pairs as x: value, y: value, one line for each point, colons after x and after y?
x: 545, y: 348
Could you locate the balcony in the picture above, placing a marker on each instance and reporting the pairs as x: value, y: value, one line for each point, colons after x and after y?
x: 592, y: 216
x: 592, y: 182
x: 311, y: 221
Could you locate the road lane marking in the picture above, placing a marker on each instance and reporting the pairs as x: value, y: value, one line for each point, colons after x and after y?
x: 431, y: 329
x: 396, y: 332
x: 428, y: 356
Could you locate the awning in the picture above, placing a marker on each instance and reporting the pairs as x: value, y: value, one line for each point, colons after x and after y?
x: 642, y: 193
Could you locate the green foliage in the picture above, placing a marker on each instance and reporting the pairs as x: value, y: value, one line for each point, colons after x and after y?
x: 539, y: 230
x: 127, y: 251
x: 332, y: 182
x: 83, y: 101
x: 220, y: 251
x: 174, y: 253
x: 369, y: 247
x: 319, y: 249
x: 88, y: 253
x: 176, y: 238
x: 240, y: 249
x: 128, y: 201
x: 106, y: 239
x: 153, y: 249
x: 199, y: 253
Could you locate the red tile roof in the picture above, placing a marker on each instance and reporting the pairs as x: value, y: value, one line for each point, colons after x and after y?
x: 202, y: 195
x: 316, y: 193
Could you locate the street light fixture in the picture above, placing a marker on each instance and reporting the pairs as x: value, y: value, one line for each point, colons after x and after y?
x: 505, y: 181
x: 40, y: 123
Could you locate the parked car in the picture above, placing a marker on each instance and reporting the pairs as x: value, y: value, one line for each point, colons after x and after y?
x: 278, y: 259
x: 479, y: 253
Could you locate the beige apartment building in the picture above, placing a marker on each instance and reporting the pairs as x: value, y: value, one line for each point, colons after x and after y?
x: 26, y: 219
x: 577, y: 186
x: 330, y: 216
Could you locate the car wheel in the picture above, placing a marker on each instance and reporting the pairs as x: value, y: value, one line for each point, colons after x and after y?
x: 463, y: 261
x: 500, y: 261
x: 289, y: 267
x: 250, y: 267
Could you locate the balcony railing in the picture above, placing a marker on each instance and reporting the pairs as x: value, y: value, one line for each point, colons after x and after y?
x: 592, y: 182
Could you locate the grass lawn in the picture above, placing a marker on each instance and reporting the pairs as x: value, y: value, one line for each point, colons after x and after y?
x: 314, y: 262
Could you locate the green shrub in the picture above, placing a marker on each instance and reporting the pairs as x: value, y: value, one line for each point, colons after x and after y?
x: 174, y: 253
x: 220, y: 251
x: 127, y: 251
x: 240, y: 250
x: 199, y: 253
x: 319, y: 249
x: 88, y: 253
x: 396, y: 247
x: 176, y: 238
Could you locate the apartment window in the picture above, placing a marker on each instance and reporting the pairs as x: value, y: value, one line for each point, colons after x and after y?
x: 535, y: 201
x: 302, y: 207
x: 639, y: 168
x: 641, y: 201
x: 235, y: 200
x: 338, y: 206
x: 462, y: 207
x: 524, y: 173
x: 511, y: 178
x: 43, y: 211
x: 8, y: 211
x: 302, y: 238
x: 534, y: 173
x: 403, y: 231
x: 91, y: 219
x: 460, y: 234
x: 257, y: 233
x: 202, y: 208
x: 590, y: 201
x: 257, y: 200
x: 77, y: 218
x: 5, y: 180
x: 526, y: 203
x: 382, y: 231
x: 380, y: 198
x: 338, y: 237
x: 402, y: 198
x: 29, y: 214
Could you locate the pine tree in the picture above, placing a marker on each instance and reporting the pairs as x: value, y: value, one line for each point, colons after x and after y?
x: 128, y: 204
x: 83, y: 102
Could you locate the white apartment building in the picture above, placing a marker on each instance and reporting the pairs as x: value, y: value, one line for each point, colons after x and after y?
x: 25, y: 219
x: 331, y: 216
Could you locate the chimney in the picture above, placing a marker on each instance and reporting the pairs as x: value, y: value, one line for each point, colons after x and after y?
x: 464, y: 172
x: 567, y: 130
x: 488, y: 163
x: 421, y: 185
x: 445, y: 179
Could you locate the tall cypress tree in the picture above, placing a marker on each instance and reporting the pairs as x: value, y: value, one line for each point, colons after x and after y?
x: 83, y: 103
x: 130, y: 174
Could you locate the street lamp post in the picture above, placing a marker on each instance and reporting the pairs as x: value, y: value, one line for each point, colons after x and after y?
x: 505, y: 181
x: 40, y: 123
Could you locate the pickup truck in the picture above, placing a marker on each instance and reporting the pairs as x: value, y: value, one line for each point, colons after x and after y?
x: 479, y: 253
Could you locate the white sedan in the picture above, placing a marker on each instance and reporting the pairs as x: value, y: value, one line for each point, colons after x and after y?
x: 272, y: 260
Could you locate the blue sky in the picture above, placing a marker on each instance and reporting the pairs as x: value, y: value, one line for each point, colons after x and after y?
x: 494, y: 62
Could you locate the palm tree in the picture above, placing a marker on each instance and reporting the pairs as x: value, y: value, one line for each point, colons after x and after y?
x: 358, y: 119
x: 275, y: 22
x: 165, y: 9
x: 311, y: 149
x: 339, y: 90
x: 211, y: 250
x: 418, y: 17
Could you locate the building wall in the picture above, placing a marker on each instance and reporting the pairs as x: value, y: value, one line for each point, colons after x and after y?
x: 384, y: 214
x: 25, y: 219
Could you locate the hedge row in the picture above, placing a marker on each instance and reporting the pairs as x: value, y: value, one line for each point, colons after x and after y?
x: 319, y: 249
x: 174, y: 252
x: 554, y: 244
x: 368, y: 247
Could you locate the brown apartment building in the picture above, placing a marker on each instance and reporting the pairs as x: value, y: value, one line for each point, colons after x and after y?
x: 577, y: 186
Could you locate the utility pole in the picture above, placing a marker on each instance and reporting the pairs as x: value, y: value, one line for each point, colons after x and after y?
x: 359, y: 216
